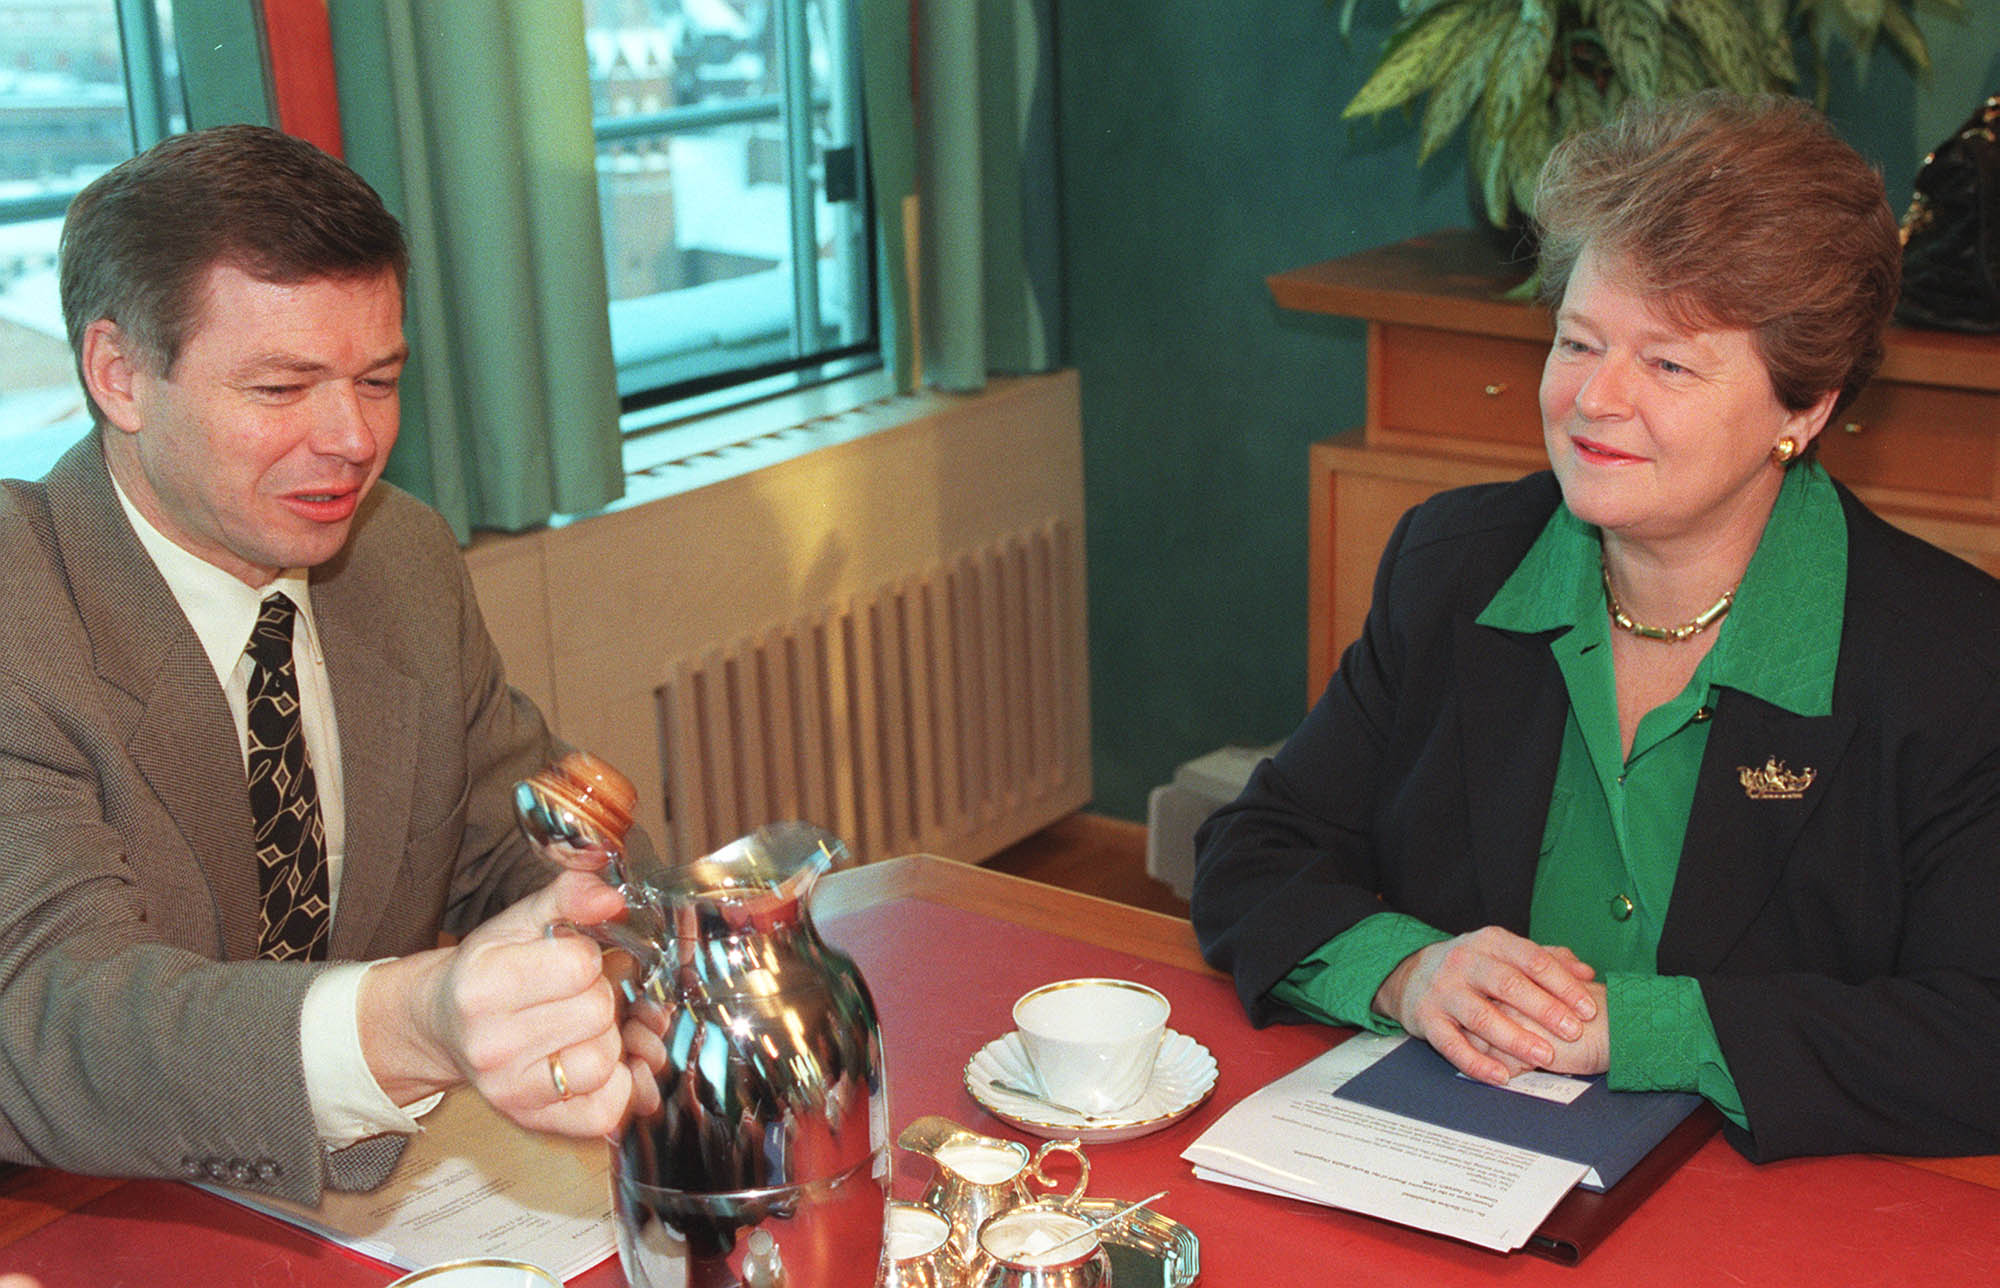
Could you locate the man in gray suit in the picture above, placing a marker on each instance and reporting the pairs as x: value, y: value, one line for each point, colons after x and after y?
x: 194, y: 982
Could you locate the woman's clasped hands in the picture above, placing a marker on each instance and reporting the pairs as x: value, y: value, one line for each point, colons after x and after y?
x: 1496, y: 1004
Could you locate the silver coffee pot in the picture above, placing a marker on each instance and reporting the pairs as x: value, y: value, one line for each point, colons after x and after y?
x: 767, y: 1163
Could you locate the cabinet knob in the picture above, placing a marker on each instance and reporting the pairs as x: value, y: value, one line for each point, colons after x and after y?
x: 1495, y: 389
x: 1852, y: 427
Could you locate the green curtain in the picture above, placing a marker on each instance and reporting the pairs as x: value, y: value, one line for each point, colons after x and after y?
x: 888, y: 107
x: 224, y: 73
x: 472, y: 118
x: 963, y: 129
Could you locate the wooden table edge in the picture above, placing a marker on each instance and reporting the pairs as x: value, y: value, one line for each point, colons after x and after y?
x: 1152, y: 935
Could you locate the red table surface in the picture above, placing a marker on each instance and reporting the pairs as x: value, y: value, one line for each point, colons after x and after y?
x: 944, y: 981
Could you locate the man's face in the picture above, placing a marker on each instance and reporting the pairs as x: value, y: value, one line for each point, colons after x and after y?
x: 255, y: 452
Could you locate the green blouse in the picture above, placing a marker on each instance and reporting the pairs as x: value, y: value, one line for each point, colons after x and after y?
x: 1611, y: 845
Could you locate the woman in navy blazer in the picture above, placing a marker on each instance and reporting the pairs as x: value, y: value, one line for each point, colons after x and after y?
x: 1794, y: 897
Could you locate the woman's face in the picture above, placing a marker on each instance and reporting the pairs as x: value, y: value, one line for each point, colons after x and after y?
x: 1659, y: 434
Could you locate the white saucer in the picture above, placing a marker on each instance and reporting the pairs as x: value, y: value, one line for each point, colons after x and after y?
x: 1183, y: 1075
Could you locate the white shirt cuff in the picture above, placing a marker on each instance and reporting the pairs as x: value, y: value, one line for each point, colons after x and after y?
x: 347, y: 1103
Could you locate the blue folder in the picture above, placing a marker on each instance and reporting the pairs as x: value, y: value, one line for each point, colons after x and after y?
x: 1608, y: 1131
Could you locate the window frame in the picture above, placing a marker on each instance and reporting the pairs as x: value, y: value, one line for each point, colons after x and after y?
x: 658, y: 407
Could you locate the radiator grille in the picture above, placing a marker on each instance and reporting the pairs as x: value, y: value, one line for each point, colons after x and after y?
x: 935, y: 714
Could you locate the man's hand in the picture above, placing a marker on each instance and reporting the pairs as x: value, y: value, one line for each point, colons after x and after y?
x: 644, y: 1031
x: 1494, y: 1003
x: 493, y: 1010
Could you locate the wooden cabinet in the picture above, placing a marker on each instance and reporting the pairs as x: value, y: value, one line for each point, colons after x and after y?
x: 1453, y: 374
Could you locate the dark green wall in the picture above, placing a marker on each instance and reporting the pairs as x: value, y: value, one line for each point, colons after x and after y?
x: 1201, y: 150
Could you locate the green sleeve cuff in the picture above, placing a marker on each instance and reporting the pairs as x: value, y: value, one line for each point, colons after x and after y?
x: 1337, y: 982
x: 1662, y: 1040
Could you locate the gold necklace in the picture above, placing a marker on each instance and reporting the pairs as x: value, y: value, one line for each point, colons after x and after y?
x: 1670, y: 634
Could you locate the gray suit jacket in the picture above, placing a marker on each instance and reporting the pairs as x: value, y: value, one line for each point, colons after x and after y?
x: 127, y: 874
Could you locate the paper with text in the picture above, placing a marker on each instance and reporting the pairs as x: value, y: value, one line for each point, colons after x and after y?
x: 1557, y: 1088
x: 1295, y: 1137
x: 473, y: 1185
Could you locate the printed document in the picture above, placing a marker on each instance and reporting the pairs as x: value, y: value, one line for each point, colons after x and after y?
x: 1294, y: 1137
x: 472, y: 1184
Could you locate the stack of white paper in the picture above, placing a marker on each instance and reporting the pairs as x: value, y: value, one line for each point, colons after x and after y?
x: 473, y: 1185
x: 1296, y: 1138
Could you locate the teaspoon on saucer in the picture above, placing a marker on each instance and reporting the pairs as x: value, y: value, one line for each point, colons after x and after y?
x: 1015, y: 1089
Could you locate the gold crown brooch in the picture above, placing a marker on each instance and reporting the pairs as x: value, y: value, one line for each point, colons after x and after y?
x: 1773, y: 782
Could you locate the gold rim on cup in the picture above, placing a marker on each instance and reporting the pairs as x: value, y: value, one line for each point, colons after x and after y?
x: 443, y: 1268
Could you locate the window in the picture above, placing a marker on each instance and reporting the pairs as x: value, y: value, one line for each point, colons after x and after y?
x: 83, y: 83
x: 738, y: 247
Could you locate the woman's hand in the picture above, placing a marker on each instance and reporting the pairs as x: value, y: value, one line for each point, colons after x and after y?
x: 1495, y: 1004
x: 1588, y: 1053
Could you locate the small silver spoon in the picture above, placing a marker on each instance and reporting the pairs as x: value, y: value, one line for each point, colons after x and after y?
x: 1106, y: 1223
x: 1014, y: 1089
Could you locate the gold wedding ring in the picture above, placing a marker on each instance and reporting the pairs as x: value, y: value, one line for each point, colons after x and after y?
x: 557, y: 1076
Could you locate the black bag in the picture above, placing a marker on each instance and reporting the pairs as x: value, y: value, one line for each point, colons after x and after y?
x: 1951, y: 235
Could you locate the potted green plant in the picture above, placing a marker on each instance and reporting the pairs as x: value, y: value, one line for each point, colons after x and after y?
x: 1519, y: 75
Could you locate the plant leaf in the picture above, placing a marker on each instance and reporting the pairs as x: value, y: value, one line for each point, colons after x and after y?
x: 1729, y: 46
x: 1520, y: 69
x: 1630, y: 31
x: 1820, y: 39
x: 1410, y: 63
x: 1579, y: 106
x: 1907, y: 39
x: 1864, y: 18
x: 1489, y: 160
x: 1527, y: 148
x: 1455, y: 94
x: 1681, y: 70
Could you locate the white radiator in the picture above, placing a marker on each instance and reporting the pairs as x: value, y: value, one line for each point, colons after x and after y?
x: 935, y: 714
x: 884, y: 636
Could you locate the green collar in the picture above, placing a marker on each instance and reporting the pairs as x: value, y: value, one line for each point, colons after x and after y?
x: 1782, y: 636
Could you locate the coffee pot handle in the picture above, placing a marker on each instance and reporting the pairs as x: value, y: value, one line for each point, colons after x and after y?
x: 1072, y: 1147
x: 615, y: 934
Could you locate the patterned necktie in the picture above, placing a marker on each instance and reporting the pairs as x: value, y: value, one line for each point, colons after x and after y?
x: 284, y: 800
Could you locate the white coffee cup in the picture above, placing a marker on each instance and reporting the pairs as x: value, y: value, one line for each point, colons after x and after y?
x: 1092, y: 1041
x: 479, y: 1272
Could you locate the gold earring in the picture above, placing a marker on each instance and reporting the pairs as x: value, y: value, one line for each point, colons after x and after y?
x: 1783, y: 453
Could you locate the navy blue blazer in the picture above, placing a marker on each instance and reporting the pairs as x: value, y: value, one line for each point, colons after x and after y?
x: 1847, y: 942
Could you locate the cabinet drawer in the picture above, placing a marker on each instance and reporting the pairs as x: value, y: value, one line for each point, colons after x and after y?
x: 1450, y: 384
x: 1916, y: 438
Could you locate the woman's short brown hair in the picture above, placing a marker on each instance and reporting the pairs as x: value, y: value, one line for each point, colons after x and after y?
x: 1735, y: 212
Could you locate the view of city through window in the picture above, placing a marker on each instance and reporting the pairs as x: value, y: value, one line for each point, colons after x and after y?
x: 735, y: 246
x: 66, y: 116
x: 732, y: 241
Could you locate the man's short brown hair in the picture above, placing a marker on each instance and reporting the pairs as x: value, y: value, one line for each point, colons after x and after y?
x: 139, y: 242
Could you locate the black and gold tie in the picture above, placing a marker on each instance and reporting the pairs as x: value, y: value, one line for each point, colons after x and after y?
x: 284, y: 801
